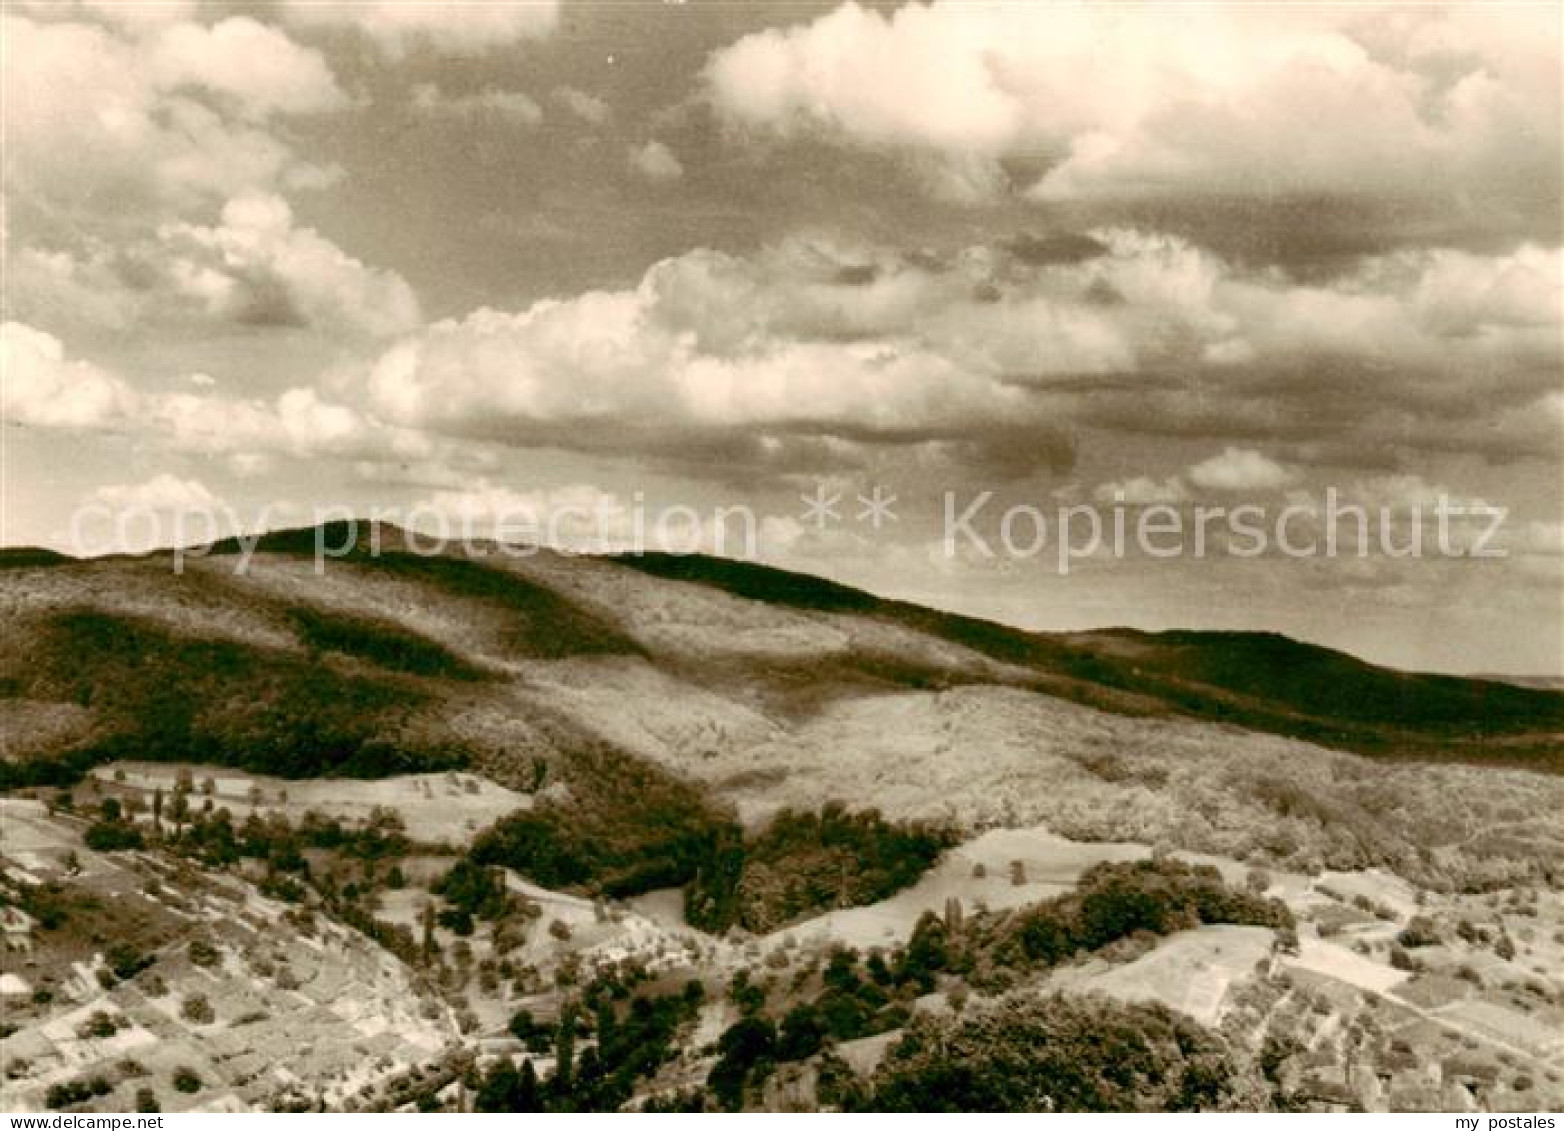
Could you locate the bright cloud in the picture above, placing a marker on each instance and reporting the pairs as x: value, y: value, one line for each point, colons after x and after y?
x: 258, y: 69
x: 256, y: 266
x: 1173, y: 102
x: 1239, y: 469
x: 398, y: 27
x: 45, y: 389
x: 857, y: 342
x: 178, y: 114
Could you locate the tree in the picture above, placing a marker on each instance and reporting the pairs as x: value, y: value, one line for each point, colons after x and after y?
x: 498, y: 1088
x: 564, y: 1067
x: 99, y: 1026
x: 928, y: 951
x: 112, y: 836
x: 1061, y: 1054
x: 748, y: 1050
x: 802, y: 1034
x: 197, y: 1010
x: 427, y: 945
x: 1419, y: 931
x: 528, y: 1097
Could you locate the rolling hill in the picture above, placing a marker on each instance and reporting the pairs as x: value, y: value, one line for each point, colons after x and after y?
x: 653, y: 693
x: 391, y: 660
x: 1260, y: 680
x: 696, y: 773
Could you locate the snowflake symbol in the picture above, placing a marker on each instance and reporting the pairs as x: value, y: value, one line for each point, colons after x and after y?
x: 820, y: 508
x: 876, y: 508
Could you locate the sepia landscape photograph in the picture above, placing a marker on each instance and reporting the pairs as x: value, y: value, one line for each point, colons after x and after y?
x: 734, y: 556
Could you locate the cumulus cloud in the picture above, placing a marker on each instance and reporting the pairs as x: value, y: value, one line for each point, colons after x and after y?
x: 252, y: 266
x: 178, y: 114
x: 656, y: 161
x: 1239, y: 469
x: 398, y: 27
x: 811, y: 352
x: 510, y: 106
x: 1168, y: 103
x: 987, y: 354
x: 299, y: 423
x: 256, y: 266
x: 45, y: 389
x: 600, y: 360
x: 257, y: 69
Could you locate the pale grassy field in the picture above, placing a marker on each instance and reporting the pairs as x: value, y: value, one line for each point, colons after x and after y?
x: 1192, y: 971
x: 441, y: 808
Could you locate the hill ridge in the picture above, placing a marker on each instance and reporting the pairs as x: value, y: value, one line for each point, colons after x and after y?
x: 455, y: 629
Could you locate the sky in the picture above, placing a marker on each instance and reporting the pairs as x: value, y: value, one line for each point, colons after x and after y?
x: 593, y: 262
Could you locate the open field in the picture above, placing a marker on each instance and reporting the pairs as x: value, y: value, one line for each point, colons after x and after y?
x: 1191, y: 971
x: 445, y: 808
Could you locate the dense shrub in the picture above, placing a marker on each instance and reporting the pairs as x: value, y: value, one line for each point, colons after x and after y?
x: 74, y: 1092
x: 383, y: 643
x: 635, y: 1036
x: 477, y: 890
x: 1419, y: 931
x: 112, y: 836
x: 627, y: 828
x: 170, y: 697
x: 747, y: 1053
x: 1116, y: 900
x: 1031, y: 1054
x: 803, y: 863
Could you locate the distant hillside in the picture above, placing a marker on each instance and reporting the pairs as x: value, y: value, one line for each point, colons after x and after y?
x: 1258, y: 680
x: 30, y: 557
x: 540, y: 666
x: 1539, y: 682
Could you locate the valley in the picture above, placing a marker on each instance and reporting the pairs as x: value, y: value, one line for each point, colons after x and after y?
x: 467, y: 834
